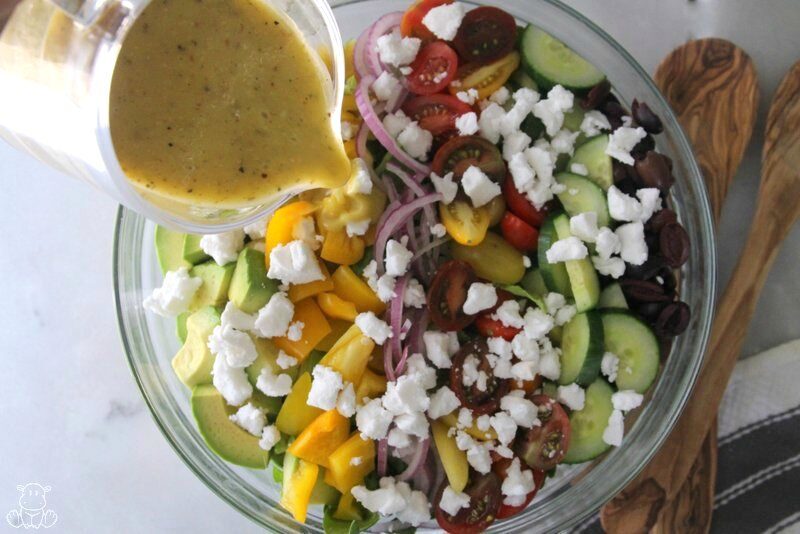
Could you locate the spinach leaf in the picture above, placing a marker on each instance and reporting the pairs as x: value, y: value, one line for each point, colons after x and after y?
x: 343, y: 526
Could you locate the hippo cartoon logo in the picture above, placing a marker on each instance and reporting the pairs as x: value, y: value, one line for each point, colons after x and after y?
x: 32, y: 511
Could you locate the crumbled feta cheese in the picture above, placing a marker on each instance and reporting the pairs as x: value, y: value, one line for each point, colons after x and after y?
x: 480, y: 297
x: 464, y: 418
x: 551, y: 110
x: 521, y: 172
x: 615, y: 430
x: 385, y: 287
x: 444, y: 20
x: 594, y: 122
x: 174, y: 295
x: 468, y: 97
x: 418, y: 369
x: 250, y: 418
x: 606, y: 243
x: 515, y: 143
x: 304, y: 231
x: 349, y: 131
x: 231, y: 382
x: 357, y: 228
x: 274, y: 318
x: 499, y: 346
x: 416, y: 141
x: 258, y: 229
x: 650, y: 199
x: 580, y: 169
x: 236, y: 347
x: 526, y: 349
x: 236, y: 318
x: 374, y: 328
x: 633, y: 247
x: 613, y: 267
x: 565, y: 314
x: 417, y: 509
x: 269, y: 437
x: 584, y: 226
x: 622, y: 141
x: 355, y: 461
x: 570, y: 248
x: 273, y: 385
x: 609, y: 366
x: 414, y: 296
x: 500, y: 96
x: 386, y: 500
x: 396, y: 50
x: 452, y: 501
x: 623, y: 207
x: 414, y: 424
x: 517, y: 484
x: 490, y: 122
x: 521, y: 410
x: 467, y: 123
x: 445, y: 186
x: 360, y: 178
x: 405, y: 396
x: 396, y: 122
x: 526, y: 262
x: 386, y: 87
x: 294, y: 263
x: 397, y: 258
x: 295, y: 331
x: 524, y: 101
x: 564, y: 142
x: 550, y: 365
x: 443, y: 402
x: 508, y: 313
x: 398, y: 439
x: 372, y: 420
x: 325, y: 388
x: 537, y: 323
x: 483, y: 422
x: 479, y: 458
x: 505, y: 427
x: 223, y: 248
x: 478, y: 187
x: 285, y: 361
x: 573, y: 396
x: 346, y: 401
x: 438, y: 348
x: 626, y: 400
x: 438, y: 230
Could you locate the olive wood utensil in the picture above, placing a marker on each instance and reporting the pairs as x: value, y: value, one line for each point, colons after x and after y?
x: 713, y: 88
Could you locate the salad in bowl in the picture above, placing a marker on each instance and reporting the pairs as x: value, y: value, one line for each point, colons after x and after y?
x: 484, y: 300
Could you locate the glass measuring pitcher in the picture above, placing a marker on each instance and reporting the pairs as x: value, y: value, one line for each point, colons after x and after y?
x: 57, y: 58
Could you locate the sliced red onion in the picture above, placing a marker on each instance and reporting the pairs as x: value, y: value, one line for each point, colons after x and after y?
x: 394, y: 103
x: 391, y: 190
x: 388, y: 225
x: 383, y: 457
x: 400, y: 368
x: 372, y: 120
x: 388, y: 362
x: 424, y: 479
x: 360, y: 55
x: 361, y: 145
x: 430, y: 246
x: 386, y: 24
x: 406, y: 178
x: 396, y: 314
x: 419, y: 324
x: 417, y: 461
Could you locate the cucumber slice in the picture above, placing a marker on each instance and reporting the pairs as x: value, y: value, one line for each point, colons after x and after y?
x: 593, y: 155
x: 582, y: 349
x: 520, y: 79
x: 573, y: 120
x: 636, y: 347
x: 612, y: 297
x: 587, y: 425
x: 583, y: 195
x: 583, y: 280
x: 554, y: 274
x: 550, y: 62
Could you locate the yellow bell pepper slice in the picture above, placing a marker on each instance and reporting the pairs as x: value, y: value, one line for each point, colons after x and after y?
x: 342, y: 473
x: 349, y: 286
x: 451, y: 420
x: 338, y: 328
x: 296, y: 492
x: 324, y: 435
x: 280, y: 229
x: 372, y: 385
x: 342, y: 249
x: 336, y: 307
x: 315, y: 328
x: 295, y: 414
x: 303, y: 291
x: 347, y: 509
x: 454, y: 460
x: 350, y: 355
x: 465, y: 224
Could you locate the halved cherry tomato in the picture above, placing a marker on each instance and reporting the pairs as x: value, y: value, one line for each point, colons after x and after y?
x: 521, y: 206
x: 500, y: 467
x: 486, y: 33
x: 465, y: 224
x: 529, y: 385
x: 484, y: 501
x: 433, y: 69
x: 481, y: 398
x: 461, y: 153
x: 486, y: 79
x: 436, y: 113
x: 543, y: 447
x: 448, y: 293
x: 489, y: 327
x: 521, y: 235
x: 412, y: 26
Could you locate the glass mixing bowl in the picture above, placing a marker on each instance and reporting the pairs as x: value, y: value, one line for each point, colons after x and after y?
x: 150, y: 341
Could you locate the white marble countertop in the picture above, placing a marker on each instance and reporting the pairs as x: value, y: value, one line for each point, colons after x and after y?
x: 74, y: 419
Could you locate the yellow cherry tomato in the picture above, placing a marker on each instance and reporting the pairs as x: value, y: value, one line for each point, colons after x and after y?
x: 485, y: 79
x: 465, y: 224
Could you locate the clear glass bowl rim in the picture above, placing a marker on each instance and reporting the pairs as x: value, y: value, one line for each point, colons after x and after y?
x: 639, y: 449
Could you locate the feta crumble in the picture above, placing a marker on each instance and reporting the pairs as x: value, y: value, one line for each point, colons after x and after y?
x: 453, y: 501
x: 570, y: 248
x: 468, y: 97
x: 396, y: 50
x: 480, y: 297
x: 415, y: 141
x: 174, y: 295
x: 438, y: 230
x: 295, y: 331
x: 373, y: 420
x: 580, y: 169
x: 396, y: 122
x: 273, y: 385
x: 360, y: 178
x: 285, y: 361
x: 517, y: 484
x: 584, y: 226
x: 374, y: 328
x: 594, y: 122
x: 439, y: 347
x: 325, y: 388
x: 573, y: 396
x: 274, y: 318
x: 615, y: 430
x: 443, y: 21
x: 414, y: 296
x: 633, y: 247
x: 478, y: 187
x: 223, y: 248
x: 467, y: 123
x: 250, y: 418
x: 609, y: 366
x: 386, y: 87
x: 397, y: 258
x: 257, y: 229
x: 231, y: 382
x: 294, y: 263
x: 445, y: 186
x: 622, y: 141
x: 626, y: 400
x: 613, y: 267
x: 357, y: 228
x: 236, y: 347
x: 269, y: 437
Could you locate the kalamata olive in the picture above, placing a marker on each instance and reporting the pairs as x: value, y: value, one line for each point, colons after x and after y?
x: 627, y: 186
x: 669, y: 282
x: 660, y: 219
x: 596, y: 95
x: 643, y: 291
x: 620, y: 170
x: 645, y: 117
x: 673, y: 319
x: 651, y: 240
x: 614, y: 113
x: 647, y: 270
x: 665, y: 345
x: 643, y: 147
x: 650, y: 310
x: 673, y: 242
x: 654, y: 171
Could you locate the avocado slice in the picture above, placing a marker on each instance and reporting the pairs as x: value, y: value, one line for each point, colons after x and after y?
x: 250, y: 288
x: 169, y: 246
x: 194, y: 361
x: 180, y: 326
x: 216, y: 281
x: 192, y: 252
x: 223, y: 436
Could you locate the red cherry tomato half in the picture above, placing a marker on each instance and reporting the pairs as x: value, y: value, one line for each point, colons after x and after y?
x: 500, y: 467
x: 481, y: 398
x: 521, y: 235
x: 489, y: 327
x: 433, y: 69
x: 412, y: 26
x: 460, y: 153
x: 436, y: 113
x: 484, y: 500
x: 448, y: 293
x: 521, y: 206
x: 543, y: 447
x: 485, y: 35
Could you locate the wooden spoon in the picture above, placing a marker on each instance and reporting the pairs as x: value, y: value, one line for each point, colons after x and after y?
x: 713, y: 88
